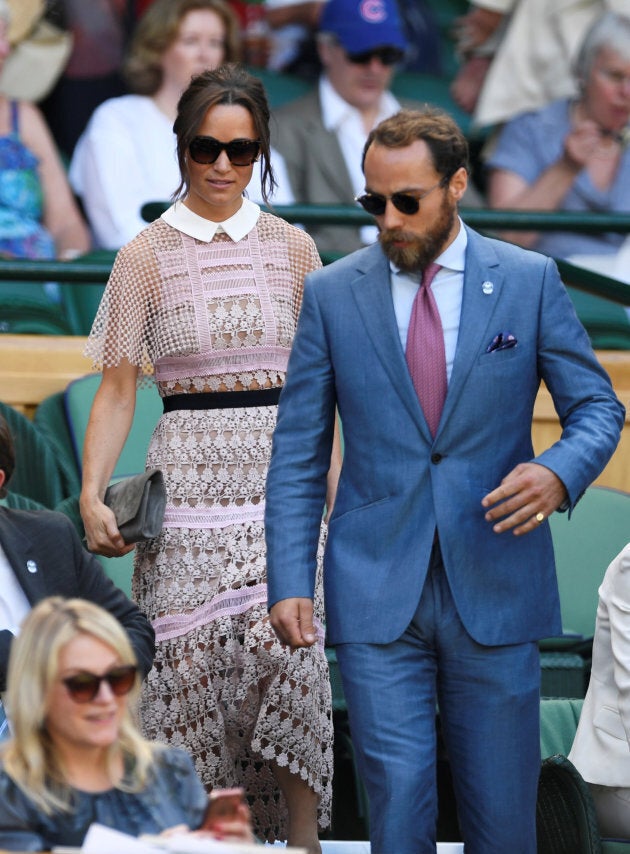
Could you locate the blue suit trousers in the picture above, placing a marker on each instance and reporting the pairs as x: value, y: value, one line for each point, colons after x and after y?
x: 488, y: 701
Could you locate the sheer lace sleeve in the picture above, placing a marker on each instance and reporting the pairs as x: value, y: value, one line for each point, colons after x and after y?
x: 304, y: 258
x: 123, y: 327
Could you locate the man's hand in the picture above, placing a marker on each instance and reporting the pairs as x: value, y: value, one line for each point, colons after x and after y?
x: 526, y: 497
x: 292, y: 620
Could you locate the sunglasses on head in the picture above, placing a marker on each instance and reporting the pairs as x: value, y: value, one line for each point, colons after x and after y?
x: 386, y: 55
x: 240, y: 152
x: 375, y: 203
x: 83, y: 687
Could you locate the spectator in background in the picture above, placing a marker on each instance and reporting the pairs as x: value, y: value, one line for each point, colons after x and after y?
x: 293, y: 24
x: 423, y: 52
x: 126, y: 156
x: 76, y: 756
x: 39, y: 217
x: 99, y: 32
x: 600, y: 747
x: 518, y: 54
x: 321, y: 135
x: 573, y: 154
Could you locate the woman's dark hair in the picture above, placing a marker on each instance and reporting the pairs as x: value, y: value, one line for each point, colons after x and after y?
x: 229, y: 84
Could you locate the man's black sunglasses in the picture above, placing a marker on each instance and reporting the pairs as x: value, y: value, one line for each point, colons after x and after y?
x: 240, y: 152
x: 84, y: 686
x: 387, y: 56
x: 375, y: 203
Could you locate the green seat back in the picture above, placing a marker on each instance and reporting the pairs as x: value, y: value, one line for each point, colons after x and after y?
x: 558, y: 723
x: 37, y: 474
x: 82, y: 299
x: 78, y: 398
x: 584, y: 546
x: 20, y: 502
x: 50, y: 420
x: 606, y: 322
x: 119, y: 569
x: 26, y: 309
x: 281, y: 88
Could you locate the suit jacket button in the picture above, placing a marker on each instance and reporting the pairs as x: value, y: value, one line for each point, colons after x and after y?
x: 436, y: 458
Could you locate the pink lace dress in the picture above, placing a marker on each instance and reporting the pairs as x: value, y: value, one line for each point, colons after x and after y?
x: 217, y: 316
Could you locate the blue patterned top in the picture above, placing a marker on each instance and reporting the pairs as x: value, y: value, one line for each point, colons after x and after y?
x: 174, y: 795
x: 22, y: 234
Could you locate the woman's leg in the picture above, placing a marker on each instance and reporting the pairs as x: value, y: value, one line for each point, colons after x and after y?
x: 302, y: 803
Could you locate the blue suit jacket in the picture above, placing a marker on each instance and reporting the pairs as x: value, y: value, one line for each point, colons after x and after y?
x: 397, y: 483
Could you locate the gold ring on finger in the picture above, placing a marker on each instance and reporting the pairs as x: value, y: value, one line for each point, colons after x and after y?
x: 540, y: 517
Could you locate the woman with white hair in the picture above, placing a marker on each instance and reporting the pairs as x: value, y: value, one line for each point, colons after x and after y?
x: 573, y: 154
x: 76, y: 756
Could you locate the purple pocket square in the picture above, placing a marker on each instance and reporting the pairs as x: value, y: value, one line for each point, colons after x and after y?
x: 501, y: 341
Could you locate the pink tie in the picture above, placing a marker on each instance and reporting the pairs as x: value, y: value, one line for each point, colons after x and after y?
x: 425, y: 351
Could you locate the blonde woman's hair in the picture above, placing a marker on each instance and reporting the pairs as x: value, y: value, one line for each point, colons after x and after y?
x: 156, y: 31
x: 29, y: 758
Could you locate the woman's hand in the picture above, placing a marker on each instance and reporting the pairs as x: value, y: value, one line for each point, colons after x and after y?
x: 235, y: 829
x: 101, y: 530
x: 581, y: 143
x: 110, y: 420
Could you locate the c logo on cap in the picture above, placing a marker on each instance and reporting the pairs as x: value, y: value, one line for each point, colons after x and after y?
x: 373, y: 11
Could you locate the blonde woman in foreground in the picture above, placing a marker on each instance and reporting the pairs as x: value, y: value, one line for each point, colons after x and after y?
x: 76, y: 756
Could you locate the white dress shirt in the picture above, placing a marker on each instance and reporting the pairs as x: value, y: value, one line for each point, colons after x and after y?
x: 14, y: 605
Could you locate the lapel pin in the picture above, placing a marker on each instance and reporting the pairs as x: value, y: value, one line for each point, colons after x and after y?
x: 487, y: 287
x: 31, y: 566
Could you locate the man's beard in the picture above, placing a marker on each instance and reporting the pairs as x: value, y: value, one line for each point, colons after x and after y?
x: 419, y: 252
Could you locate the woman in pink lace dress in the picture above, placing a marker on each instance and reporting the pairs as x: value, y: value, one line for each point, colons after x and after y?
x: 206, y: 299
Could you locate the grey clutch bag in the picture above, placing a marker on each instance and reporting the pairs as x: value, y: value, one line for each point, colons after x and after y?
x: 138, y: 504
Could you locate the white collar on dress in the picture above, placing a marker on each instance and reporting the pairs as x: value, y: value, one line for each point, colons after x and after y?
x: 236, y: 227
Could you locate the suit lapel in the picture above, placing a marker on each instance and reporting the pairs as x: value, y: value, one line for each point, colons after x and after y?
x: 372, y: 292
x: 22, y: 556
x: 483, y: 283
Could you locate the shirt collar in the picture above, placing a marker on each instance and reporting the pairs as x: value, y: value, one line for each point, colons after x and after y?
x: 236, y: 227
x: 453, y: 257
x: 335, y: 110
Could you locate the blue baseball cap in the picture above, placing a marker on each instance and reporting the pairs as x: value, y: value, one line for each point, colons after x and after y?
x: 362, y: 25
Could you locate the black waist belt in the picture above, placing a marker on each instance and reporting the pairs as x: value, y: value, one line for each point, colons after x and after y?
x: 222, y: 399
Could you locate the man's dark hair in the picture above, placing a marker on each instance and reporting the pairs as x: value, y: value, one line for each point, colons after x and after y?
x: 443, y: 136
x: 7, y: 454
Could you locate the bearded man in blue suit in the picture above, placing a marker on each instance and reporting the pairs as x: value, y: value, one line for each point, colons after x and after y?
x: 439, y: 573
